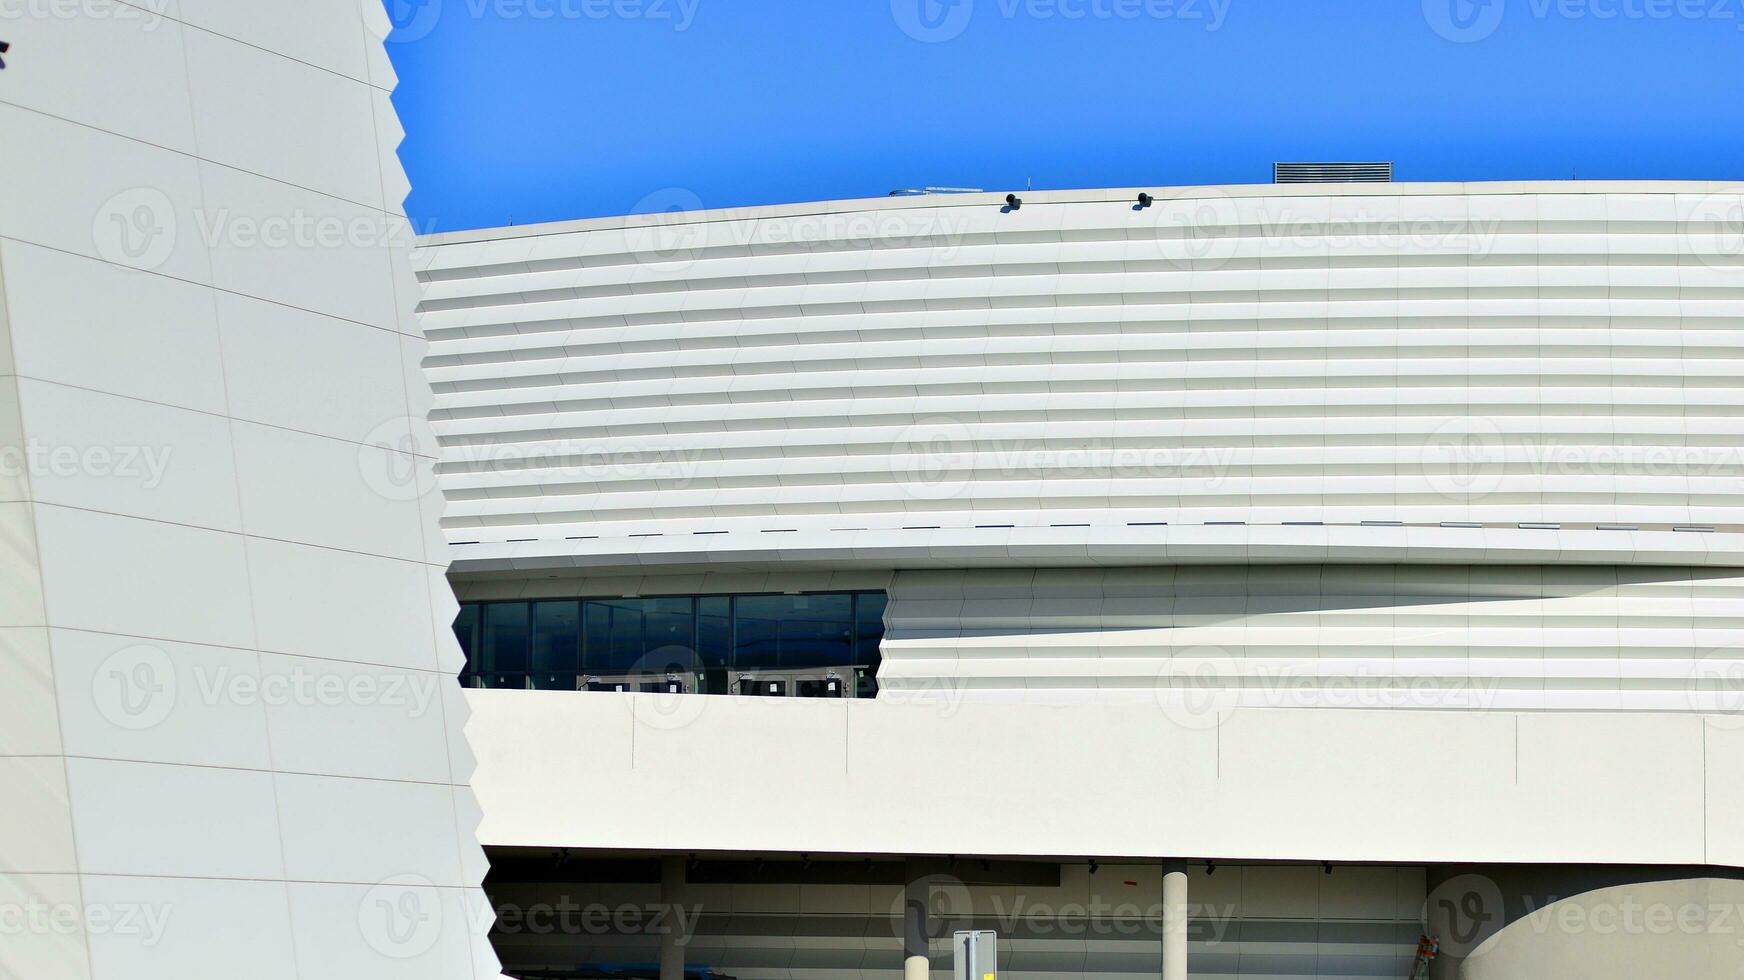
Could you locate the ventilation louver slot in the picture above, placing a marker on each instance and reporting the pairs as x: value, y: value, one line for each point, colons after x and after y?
x: 1332, y: 173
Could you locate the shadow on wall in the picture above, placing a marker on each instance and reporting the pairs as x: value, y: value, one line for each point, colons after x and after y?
x: 1211, y: 595
x: 1596, y: 923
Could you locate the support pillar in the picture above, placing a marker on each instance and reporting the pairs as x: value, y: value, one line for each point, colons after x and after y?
x: 673, y: 940
x: 1174, y: 920
x: 915, y: 898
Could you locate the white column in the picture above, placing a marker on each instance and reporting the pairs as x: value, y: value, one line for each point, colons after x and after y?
x: 1174, y: 920
x: 673, y: 940
x: 915, y: 965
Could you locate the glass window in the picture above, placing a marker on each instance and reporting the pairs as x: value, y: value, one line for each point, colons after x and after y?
x: 792, y: 631
x: 714, y: 630
x: 556, y: 644
x: 714, y: 642
x: 868, y: 626
x: 639, y: 636
x: 546, y: 643
x: 504, y: 644
x: 465, y: 625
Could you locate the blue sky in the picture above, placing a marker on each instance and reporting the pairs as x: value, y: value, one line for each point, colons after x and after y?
x: 541, y: 110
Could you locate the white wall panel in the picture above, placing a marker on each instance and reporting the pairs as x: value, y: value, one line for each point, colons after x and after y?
x: 29, y: 722
x: 82, y: 320
x: 117, y: 455
x: 255, y: 110
x: 411, y: 830
x: 373, y: 609
x: 44, y: 952
x: 350, y: 719
x: 174, y: 821
x: 110, y: 573
x: 204, y: 723
x: 946, y: 775
x: 36, y: 831
x: 134, y: 41
x: 301, y: 370
x: 195, y: 926
x: 221, y: 683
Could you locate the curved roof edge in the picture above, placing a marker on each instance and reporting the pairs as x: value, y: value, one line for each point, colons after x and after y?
x: 1108, y: 194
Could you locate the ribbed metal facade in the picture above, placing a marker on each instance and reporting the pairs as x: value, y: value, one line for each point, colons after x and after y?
x: 1425, y: 373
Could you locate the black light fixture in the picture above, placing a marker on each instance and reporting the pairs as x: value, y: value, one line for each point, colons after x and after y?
x: 4, y: 47
x: 1326, y: 866
x: 1210, y: 868
x: 1145, y: 200
x: 1013, y: 202
x: 1094, y: 867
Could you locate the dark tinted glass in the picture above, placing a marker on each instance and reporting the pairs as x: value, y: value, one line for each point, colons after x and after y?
x: 645, y: 635
x: 504, y: 639
x: 868, y: 626
x: 777, y: 631
x: 546, y: 643
x: 465, y: 625
x: 714, y: 630
x: 556, y: 644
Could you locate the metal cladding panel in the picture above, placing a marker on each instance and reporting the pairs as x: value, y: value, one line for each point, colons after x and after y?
x: 1201, y: 641
x: 1462, y: 373
x: 230, y: 734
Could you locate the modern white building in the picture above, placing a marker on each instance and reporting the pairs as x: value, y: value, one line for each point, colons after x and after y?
x: 1242, y: 580
x: 1235, y: 582
x: 230, y: 740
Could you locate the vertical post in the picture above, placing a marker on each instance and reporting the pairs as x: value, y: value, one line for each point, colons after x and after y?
x: 672, y: 941
x: 1174, y: 920
x: 915, y: 965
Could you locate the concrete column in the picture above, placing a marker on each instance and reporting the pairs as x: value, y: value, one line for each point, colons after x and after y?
x: 1174, y: 920
x: 673, y: 940
x: 915, y: 965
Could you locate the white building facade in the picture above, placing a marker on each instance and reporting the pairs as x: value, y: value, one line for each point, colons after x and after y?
x: 230, y: 740
x: 1376, y: 544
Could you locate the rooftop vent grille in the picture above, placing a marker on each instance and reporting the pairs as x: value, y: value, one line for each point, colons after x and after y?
x: 923, y: 191
x: 1332, y: 173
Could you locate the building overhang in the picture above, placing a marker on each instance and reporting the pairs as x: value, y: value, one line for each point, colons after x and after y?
x: 930, y: 775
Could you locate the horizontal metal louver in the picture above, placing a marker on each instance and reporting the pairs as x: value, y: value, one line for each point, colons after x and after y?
x: 1440, y: 364
x: 1332, y: 173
